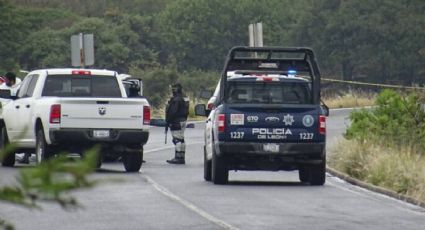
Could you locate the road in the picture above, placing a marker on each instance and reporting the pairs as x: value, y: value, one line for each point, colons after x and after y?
x: 163, y: 196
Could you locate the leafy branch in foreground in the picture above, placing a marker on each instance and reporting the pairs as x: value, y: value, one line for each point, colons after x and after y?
x: 50, y: 182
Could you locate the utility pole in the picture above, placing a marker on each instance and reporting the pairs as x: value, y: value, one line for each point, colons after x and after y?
x: 82, y: 50
x: 255, y: 31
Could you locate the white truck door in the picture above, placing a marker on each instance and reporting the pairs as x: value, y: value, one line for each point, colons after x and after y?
x: 25, y: 115
x: 12, y: 111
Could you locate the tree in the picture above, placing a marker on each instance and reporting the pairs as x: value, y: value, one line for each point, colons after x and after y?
x: 10, y: 25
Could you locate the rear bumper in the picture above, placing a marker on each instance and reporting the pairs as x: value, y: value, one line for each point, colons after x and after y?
x: 252, y: 156
x: 231, y: 148
x: 85, y: 136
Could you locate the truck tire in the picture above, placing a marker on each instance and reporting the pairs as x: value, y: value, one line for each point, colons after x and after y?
x: 9, y: 158
x: 42, y: 150
x: 207, y: 167
x: 132, y: 161
x: 303, y: 174
x: 98, y: 160
x: 220, y: 173
x: 318, y: 173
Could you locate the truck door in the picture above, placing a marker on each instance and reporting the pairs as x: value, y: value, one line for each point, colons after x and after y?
x: 12, y: 111
x: 26, y: 109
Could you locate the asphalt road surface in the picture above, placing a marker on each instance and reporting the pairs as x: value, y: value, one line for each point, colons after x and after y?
x: 163, y: 196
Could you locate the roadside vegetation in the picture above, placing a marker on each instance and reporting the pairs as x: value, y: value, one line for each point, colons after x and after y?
x: 350, y: 99
x: 51, y: 181
x: 385, y: 146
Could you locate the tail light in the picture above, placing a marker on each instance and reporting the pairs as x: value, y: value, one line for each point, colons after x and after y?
x: 146, y: 115
x: 81, y: 72
x: 322, y: 124
x: 55, y: 114
x: 221, y: 122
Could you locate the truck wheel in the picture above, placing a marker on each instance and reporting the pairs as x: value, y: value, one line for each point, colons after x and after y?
x: 132, y: 161
x: 207, y: 167
x: 98, y: 160
x: 42, y: 150
x: 220, y: 173
x: 303, y: 174
x: 318, y: 173
x: 9, y: 157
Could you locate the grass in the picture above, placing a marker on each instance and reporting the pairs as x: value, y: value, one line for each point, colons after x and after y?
x: 350, y: 99
x: 401, y: 169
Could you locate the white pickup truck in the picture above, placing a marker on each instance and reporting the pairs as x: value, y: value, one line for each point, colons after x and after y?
x: 71, y: 110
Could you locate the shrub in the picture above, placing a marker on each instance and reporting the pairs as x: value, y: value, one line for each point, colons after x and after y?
x: 396, y: 119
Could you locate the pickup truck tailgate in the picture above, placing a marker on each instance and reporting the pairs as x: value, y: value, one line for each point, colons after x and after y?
x: 123, y: 113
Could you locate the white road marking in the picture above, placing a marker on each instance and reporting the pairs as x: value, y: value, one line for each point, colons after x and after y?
x: 189, y: 205
x: 363, y: 192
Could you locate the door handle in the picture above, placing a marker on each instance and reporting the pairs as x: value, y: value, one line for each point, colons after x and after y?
x: 17, y: 106
x: 27, y: 106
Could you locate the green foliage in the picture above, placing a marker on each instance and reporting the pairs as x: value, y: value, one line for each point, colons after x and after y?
x: 199, y: 33
x: 10, y: 36
x: 397, y: 119
x: 158, y: 82
x: 194, y: 81
x: 50, y: 181
x: 379, y: 39
x: 384, y: 42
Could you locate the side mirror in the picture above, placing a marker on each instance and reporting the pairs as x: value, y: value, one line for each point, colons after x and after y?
x: 325, y: 109
x: 200, y: 110
x: 206, y: 94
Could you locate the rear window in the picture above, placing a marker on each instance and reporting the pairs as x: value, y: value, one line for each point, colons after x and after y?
x: 81, y: 86
x: 268, y: 93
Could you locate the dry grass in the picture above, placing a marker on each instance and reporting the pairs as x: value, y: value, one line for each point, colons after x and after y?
x: 350, y: 99
x: 400, y: 169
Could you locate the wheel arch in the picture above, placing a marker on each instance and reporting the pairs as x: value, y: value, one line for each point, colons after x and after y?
x: 38, y: 125
x: 2, y: 124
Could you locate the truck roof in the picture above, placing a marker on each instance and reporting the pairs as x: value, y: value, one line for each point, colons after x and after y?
x: 60, y: 71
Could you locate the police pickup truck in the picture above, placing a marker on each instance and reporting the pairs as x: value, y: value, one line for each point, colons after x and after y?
x: 71, y: 110
x: 266, y: 114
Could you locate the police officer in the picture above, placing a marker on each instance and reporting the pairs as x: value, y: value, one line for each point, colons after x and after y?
x: 11, y: 83
x: 176, y: 114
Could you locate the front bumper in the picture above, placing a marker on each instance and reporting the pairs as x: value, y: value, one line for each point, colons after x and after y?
x: 85, y: 136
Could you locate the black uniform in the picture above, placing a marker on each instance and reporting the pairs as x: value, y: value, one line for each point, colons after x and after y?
x: 176, y: 115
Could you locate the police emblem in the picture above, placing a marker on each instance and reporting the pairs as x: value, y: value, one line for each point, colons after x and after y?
x: 288, y: 119
x: 308, y: 120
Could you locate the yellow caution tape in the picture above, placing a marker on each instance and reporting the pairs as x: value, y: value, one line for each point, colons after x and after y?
x: 374, y: 84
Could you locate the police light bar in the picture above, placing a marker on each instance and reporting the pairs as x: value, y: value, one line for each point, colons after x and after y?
x: 292, y: 73
x: 81, y: 72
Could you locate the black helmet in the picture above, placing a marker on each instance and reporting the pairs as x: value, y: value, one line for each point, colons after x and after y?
x: 177, y: 87
x: 10, y: 76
